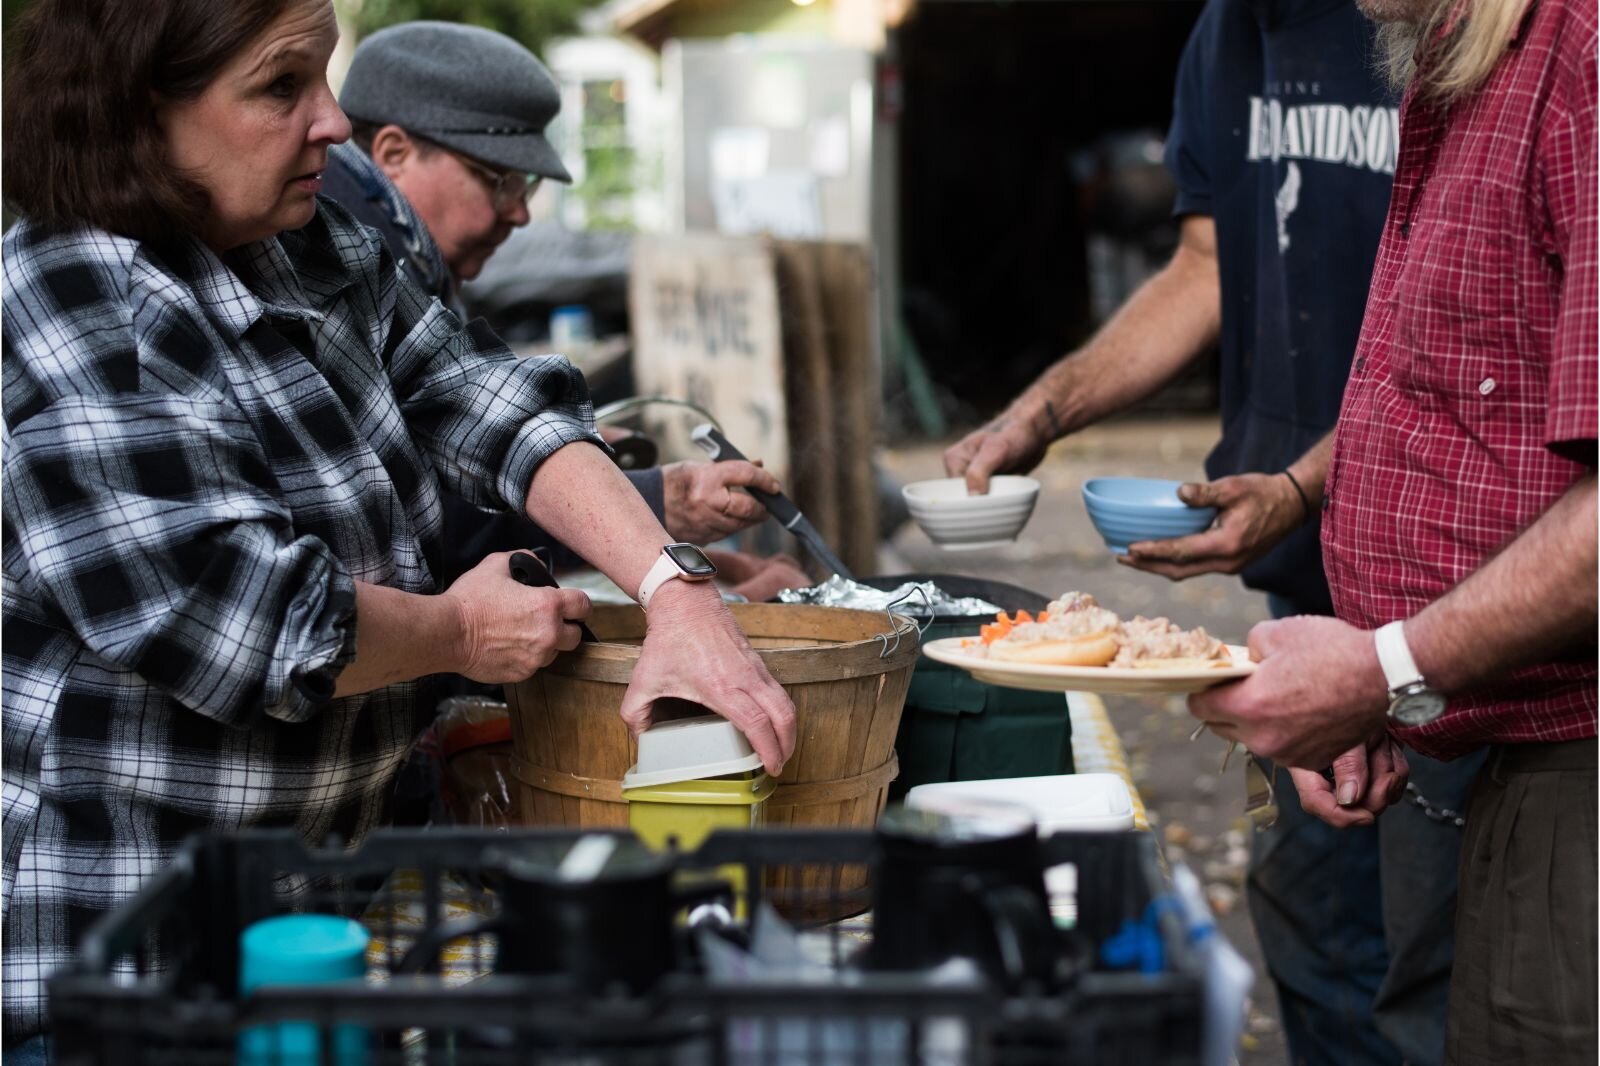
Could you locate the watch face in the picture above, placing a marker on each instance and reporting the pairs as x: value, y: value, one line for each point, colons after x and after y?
x: 690, y: 560
x: 1417, y: 708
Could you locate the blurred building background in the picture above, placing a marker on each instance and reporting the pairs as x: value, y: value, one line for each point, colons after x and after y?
x: 1001, y: 161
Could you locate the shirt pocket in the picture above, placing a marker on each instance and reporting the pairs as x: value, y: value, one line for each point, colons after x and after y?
x: 1456, y: 305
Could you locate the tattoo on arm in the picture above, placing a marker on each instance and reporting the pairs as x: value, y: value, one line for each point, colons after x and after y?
x: 1052, y: 423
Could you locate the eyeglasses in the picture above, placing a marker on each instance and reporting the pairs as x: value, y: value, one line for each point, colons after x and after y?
x: 507, y: 188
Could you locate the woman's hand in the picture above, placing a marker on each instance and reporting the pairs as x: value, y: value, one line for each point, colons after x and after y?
x: 694, y: 650
x: 1255, y: 512
x: 509, y: 630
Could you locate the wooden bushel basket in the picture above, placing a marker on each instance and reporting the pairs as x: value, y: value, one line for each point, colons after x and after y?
x: 847, y: 673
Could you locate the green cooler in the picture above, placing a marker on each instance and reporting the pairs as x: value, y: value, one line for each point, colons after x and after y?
x: 956, y: 728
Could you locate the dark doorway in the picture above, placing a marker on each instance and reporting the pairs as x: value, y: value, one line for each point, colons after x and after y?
x: 1002, y: 100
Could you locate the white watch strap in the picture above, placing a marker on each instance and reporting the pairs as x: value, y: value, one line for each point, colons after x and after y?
x: 663, y: 571
x: 1394, y: 655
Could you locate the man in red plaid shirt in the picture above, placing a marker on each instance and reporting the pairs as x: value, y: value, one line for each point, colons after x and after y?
x: 1459, y: 531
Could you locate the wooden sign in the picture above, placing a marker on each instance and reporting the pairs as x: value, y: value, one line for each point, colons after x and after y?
x: 774, y: 339
x: 706, y: 329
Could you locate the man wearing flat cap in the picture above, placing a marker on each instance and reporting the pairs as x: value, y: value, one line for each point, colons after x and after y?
x: 448, y: 146
x: 441, y: 113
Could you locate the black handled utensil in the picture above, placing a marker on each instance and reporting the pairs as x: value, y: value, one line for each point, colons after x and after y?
x: 778, y: 505
x: 528, y: 570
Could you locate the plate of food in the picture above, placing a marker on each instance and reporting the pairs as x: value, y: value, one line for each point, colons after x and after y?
x: 1075, y: 645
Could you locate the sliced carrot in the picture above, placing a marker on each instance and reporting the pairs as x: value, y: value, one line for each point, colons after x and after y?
x: 1044, y: 616
x: 1023, y: 616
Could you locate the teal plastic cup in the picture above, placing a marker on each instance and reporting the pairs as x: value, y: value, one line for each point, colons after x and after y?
x: 302, y: 949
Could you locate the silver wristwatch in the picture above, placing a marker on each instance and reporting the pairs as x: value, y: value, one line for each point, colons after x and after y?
x: 1411, y: 701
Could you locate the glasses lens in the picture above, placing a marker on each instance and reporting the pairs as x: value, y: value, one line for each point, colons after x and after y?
x: 511, y: 188
x: 506, y: 187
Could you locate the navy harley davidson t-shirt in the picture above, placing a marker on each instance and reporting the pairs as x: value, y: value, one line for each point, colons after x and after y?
x: 1285, y: 133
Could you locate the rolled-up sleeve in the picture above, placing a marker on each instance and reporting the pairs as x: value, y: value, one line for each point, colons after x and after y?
x: 148, y: 522
x: 1570, y: 180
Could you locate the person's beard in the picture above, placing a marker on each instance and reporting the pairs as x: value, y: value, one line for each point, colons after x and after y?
x: 1396, y: 11
x: 1400, y: 27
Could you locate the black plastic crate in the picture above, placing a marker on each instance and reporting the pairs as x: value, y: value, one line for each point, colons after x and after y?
x: 156, y: 981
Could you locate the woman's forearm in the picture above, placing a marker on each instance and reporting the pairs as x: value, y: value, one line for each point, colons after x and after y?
x: 401, y: 636
x: 580, y: 497
x: 577, y: 495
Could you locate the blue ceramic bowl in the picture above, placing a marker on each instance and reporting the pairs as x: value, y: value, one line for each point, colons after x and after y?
x: 1129, y: 509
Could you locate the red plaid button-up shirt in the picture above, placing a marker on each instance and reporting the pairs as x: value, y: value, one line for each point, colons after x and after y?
x: 1471, y: 404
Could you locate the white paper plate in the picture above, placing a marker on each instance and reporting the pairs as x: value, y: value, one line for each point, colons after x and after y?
x: 1114, y: 680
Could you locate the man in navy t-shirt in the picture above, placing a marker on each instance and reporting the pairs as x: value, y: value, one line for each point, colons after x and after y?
x: 1283, y: 145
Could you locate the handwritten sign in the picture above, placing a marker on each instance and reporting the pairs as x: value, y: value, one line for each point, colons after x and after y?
x: 706, y: 329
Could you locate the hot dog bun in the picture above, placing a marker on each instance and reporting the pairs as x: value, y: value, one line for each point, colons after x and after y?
x: 1185, y: 663
x: 1095, y: 649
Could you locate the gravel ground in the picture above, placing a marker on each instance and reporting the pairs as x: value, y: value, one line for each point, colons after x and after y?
x: 1197, y: 813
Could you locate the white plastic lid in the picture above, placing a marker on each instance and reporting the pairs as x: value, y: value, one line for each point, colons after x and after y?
x: 1067, y: 802
x: 689, y: 749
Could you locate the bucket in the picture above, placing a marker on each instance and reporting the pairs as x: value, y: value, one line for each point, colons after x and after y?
x: 847, y: 673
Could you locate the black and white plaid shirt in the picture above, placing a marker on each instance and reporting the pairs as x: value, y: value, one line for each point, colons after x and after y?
x: 200, y: 460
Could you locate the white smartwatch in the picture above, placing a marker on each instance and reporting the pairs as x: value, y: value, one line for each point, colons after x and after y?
x: 1411, y: 700
x: 680, y: 560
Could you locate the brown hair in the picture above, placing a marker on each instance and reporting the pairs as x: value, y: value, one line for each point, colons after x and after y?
x: 82, y: 78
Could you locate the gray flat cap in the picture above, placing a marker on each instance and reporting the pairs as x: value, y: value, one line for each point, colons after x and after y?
x: 465, y: 87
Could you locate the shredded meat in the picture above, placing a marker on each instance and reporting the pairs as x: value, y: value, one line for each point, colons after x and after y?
x: 1077, y: 622
x: 1143, y: 639
x: 1071, y: 601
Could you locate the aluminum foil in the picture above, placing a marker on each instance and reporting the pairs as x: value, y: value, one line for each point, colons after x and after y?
x: 922, y: 599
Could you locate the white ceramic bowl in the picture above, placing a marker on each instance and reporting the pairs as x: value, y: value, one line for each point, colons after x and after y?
x: 688, y: 749
x: 956, y: 521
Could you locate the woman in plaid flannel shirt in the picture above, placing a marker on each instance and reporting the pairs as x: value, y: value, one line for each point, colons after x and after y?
x: 227, y: 418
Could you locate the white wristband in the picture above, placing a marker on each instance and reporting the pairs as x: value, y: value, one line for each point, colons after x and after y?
x: 659, y: 574
x: 1394, y: 655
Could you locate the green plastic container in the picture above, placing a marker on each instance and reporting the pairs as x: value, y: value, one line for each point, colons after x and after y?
x: 957, y: 728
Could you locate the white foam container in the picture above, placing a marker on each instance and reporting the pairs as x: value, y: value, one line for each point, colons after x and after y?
x: 1059, y: 803
x: 688, y: 749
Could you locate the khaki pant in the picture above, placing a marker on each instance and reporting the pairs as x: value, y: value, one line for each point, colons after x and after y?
x: 1524, y: 988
